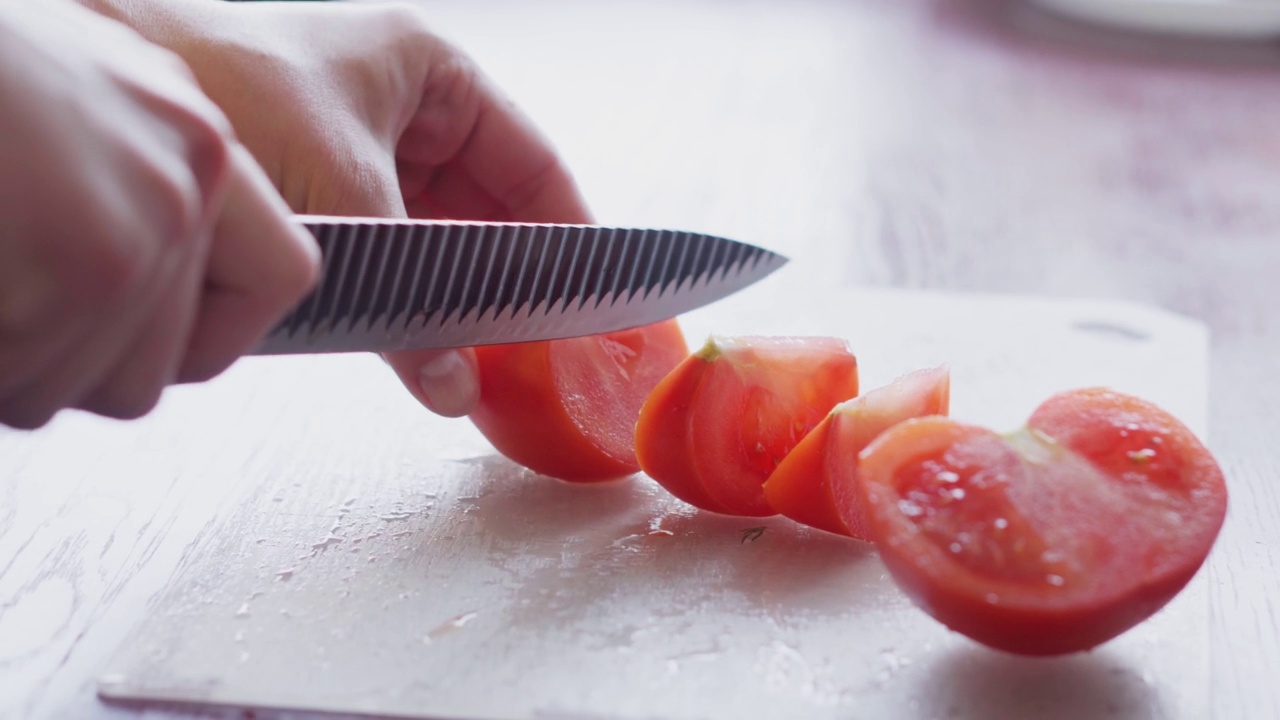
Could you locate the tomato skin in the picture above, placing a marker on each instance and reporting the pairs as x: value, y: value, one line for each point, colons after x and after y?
x: 1045, y: 550
x: 567, y: 408
x: 815, y: 484
x: 734, y: 410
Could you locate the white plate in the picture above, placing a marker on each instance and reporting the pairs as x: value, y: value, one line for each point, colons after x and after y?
x: 1217, y: 18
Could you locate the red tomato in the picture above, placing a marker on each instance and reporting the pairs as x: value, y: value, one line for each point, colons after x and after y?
x: 717, y: 426
x: 568, y: 408
x: 1055, y: 538
x: 815, y: 484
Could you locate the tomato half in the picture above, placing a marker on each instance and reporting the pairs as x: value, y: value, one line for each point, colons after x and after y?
x: 568, y: 408
x: 715, y: 428
x: 1052, y: 539
x: 816, y: 483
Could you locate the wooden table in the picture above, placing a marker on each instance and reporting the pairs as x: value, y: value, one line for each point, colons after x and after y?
x: 948, y: 144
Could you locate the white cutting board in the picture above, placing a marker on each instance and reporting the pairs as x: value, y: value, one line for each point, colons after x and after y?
x: 386, y: 561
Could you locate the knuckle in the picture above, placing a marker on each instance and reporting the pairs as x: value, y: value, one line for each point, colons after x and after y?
x: 116, y: 270
x: 204, y: 369
x: 163, y: 215
x: 209, y: 154
x: 183, y: 192
x: 186, y: 188
x: 127, y: 404
x: 408, y: 19
x: 26, y: 416
x: 300, y: 271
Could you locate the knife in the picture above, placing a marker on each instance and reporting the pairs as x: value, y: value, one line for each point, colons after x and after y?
x: 394, y: 284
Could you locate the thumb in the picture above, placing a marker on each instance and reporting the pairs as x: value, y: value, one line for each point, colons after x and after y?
x: 447, y: 382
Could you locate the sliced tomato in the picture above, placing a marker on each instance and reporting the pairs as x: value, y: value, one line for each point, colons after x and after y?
x: 1052, y: 539
x: 816, y: 483
x: 715, y: 428
x: 568, y: 408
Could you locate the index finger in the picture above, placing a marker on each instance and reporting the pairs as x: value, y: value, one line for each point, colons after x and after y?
x: 468, y: 152
x: 260, y: 264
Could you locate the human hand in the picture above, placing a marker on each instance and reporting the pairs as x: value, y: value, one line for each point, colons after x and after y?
x: 140, y: 245
x: 363, y: 110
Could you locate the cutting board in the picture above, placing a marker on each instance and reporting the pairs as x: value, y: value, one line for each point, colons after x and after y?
x: 381, y: 560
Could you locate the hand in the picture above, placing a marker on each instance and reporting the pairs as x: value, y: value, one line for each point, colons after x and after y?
x: 362, y: 110
x: 139, y: 244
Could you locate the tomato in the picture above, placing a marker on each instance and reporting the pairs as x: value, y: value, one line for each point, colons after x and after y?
x: 713, y: 430
x: 568, y: 408
x: 1052, y: 539
x: 815, y: 484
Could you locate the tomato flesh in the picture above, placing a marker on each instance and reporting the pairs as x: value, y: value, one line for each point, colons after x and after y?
x: 662, y: 435
x: 815, y: 484
x: 1047, y: 540
x: 568, y: 408
x: 715, y: 429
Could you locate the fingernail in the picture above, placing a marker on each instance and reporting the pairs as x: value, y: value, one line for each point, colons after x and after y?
x: 449, y: 384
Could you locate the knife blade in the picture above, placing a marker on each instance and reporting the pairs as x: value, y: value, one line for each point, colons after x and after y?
x: 394, y: 284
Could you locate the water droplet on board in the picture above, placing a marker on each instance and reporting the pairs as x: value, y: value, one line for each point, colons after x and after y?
x: 325, y: 544
x: 893, y: 661
x: 449, y: 626
x: 655, y: 527
x: 626, y: 542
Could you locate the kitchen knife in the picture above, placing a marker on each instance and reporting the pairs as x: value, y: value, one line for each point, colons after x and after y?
x: 392, y: 284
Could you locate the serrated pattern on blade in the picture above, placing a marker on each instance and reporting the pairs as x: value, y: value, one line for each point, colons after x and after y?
x: 390, y: 286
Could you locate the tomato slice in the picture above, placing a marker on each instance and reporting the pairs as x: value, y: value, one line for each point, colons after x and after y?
x: 816, y: 483
x: 1052, y: 539
x: 662, y: 435
x: 568, y: 408
x: 715, y: 429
